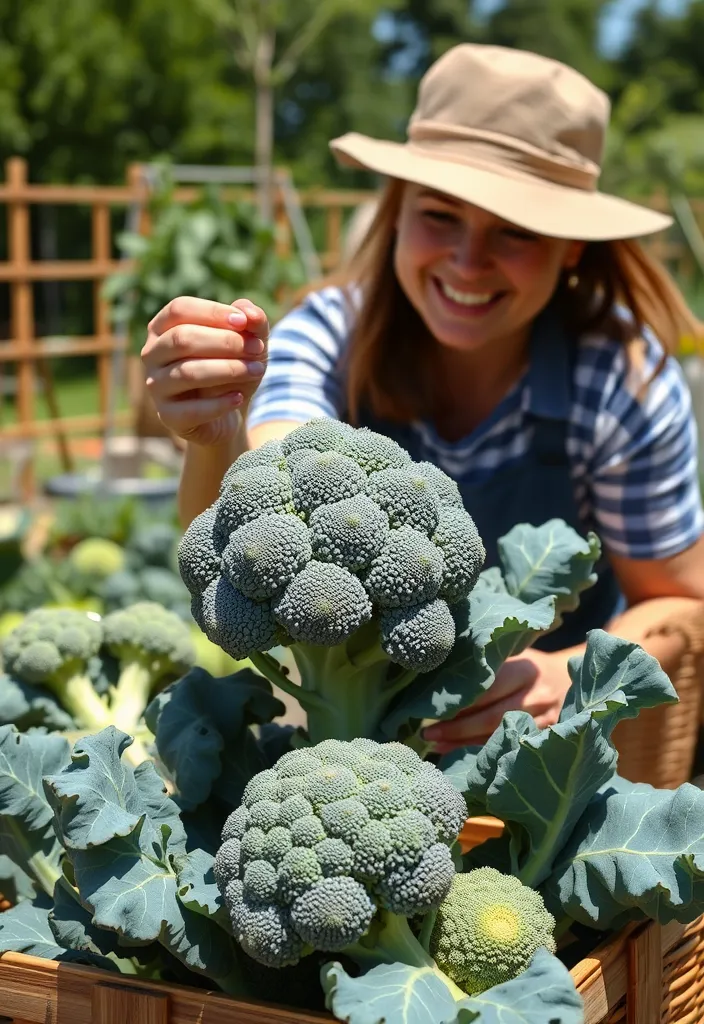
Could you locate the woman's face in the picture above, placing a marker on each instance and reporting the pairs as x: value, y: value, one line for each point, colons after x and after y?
x: 474, y: 278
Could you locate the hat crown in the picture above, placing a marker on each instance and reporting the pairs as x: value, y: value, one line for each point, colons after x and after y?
x: 531, y: 102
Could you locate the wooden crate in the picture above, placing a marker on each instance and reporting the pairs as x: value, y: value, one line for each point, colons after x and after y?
x: 646, y: 974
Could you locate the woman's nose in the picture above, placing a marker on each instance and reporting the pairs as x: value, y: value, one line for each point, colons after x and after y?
x: 471, y: 253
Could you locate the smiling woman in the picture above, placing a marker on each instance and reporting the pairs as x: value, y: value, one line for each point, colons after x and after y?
x: 499, y: 321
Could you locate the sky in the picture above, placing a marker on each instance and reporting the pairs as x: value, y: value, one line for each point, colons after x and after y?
x: 616, y: 20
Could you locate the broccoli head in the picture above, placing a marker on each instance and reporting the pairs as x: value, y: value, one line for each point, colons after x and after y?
x: 54, y: 648
x: 333, y: 841
x: 334, y: 542
x: 488, y: 929
x: 96, y: 558
x: 153, y: 646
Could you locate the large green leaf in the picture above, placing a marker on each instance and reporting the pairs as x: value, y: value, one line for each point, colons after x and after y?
x: 636, y: 851
x: 98, y: 797
x: 26, y: 834
x: 202, y: 735
x: 544, y: 994
x: 540, y: 781
x: 498, y: 626
x: 25, y: 929
x: 550, y: 559
x: 197, y: 888
x: 127, y: 877
x: 389, y: 994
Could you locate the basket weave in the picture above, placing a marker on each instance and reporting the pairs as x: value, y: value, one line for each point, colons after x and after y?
x: 659, y: 745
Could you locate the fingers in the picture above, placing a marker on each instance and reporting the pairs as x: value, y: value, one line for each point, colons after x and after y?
x: 475, y: 726
x: 189, y: 340
x: 189, y: 415
x: 188, y: 375
x: 242, y: 315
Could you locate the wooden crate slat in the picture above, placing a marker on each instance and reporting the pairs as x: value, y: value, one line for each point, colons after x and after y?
x: 644, y: 975
x: 114, y: 1005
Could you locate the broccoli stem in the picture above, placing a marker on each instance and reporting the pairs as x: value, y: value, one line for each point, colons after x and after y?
x: 391, y: 941
x: 355, y: 693
x: 131, y: 696
x: 78, y: 696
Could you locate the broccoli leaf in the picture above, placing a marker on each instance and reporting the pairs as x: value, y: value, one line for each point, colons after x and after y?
x: 545, y: 992
x: 550, y: 559
x: 389, y: 994
x: 26, y: 706
x: 497, y: 626
x: 540, y: 781
x: 636, y: 851
x: 456, y: 765
x: 127, y: 875
x: 201, y: 729
x: 97, y: 797
x: 198, y: 890
x: 26, y: 833
x: 15, y: 883
x: 25, y: 929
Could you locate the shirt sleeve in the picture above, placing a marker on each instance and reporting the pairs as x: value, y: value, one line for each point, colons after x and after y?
x: 303, y: 379
x: 644, y: 461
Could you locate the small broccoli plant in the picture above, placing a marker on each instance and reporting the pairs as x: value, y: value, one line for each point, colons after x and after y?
x: 70, y: 671
x: 54, y: 648
x: 488, y: 929
x: 152, y: 646
x: 334, y: 542
x: 333, y: 841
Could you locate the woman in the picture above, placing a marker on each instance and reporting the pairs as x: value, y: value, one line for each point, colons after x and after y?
x: 498, y: 320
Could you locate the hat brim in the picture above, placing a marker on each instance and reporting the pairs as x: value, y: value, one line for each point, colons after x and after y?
x: 531, y: 203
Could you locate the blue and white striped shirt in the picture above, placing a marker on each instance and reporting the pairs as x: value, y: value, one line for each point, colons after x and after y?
x: 633, y: 456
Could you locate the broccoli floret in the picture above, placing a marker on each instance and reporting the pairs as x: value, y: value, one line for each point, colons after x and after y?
x: 198, y: 552
x: 152, y: 646
x: 458, y: 539
x: 419, y: 637
x: 323, y: 605
x: 269, y: 454
x: 53, y: 648
x: 95, y: 558
x: 234, y: 622
x: 264, y: 555
x: 488, y: 928
x: 447, y: 489
x: 408, y: 498
x: 312, y: 545
x: 349, y: 533
x: 361, y: 855
x: 323, y: 478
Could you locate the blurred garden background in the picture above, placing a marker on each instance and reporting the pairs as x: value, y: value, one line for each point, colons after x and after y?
x: 152, y: 149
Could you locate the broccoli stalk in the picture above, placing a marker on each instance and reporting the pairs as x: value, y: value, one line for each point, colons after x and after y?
x: 345, y: 690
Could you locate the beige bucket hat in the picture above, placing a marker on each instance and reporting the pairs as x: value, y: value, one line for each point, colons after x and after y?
x: 519, y: 135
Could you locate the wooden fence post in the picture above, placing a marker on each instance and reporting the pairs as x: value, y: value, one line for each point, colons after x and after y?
x: 100, y: 224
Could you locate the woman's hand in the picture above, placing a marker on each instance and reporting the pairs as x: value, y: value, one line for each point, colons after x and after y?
x: 533, y: 681
x: 204, y: 361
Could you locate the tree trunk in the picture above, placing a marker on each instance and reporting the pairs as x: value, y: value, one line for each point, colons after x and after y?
x: 264, y: 141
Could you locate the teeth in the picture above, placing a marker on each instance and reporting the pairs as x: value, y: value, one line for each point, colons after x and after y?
x: 467, y: 298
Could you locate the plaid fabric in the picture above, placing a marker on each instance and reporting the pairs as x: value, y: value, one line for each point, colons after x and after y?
x: 633, y: 457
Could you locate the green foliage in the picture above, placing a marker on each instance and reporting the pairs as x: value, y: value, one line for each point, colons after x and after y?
x: 210, y: 247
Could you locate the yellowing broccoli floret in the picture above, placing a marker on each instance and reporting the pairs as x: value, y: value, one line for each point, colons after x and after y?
x: 356, y: 849
x: 264, y: 555
x: 407, y: 570
x: 488, y: 929
x: 408, y: 498
x: 324, y: 604
x: 96, y: 558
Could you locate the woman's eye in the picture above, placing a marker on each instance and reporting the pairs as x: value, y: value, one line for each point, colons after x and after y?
x: 523, y: 236
x: 441, y: 216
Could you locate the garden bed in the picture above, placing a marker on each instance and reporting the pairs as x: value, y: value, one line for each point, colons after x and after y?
x: 645, y: 974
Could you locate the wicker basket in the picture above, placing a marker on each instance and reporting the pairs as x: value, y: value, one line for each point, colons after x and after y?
x: 659, y: 745
x: 644, y: 975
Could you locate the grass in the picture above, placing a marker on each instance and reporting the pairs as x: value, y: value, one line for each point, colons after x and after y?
x: 78, y: 396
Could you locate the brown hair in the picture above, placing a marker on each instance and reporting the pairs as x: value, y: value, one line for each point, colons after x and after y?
x: 395, y: 381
